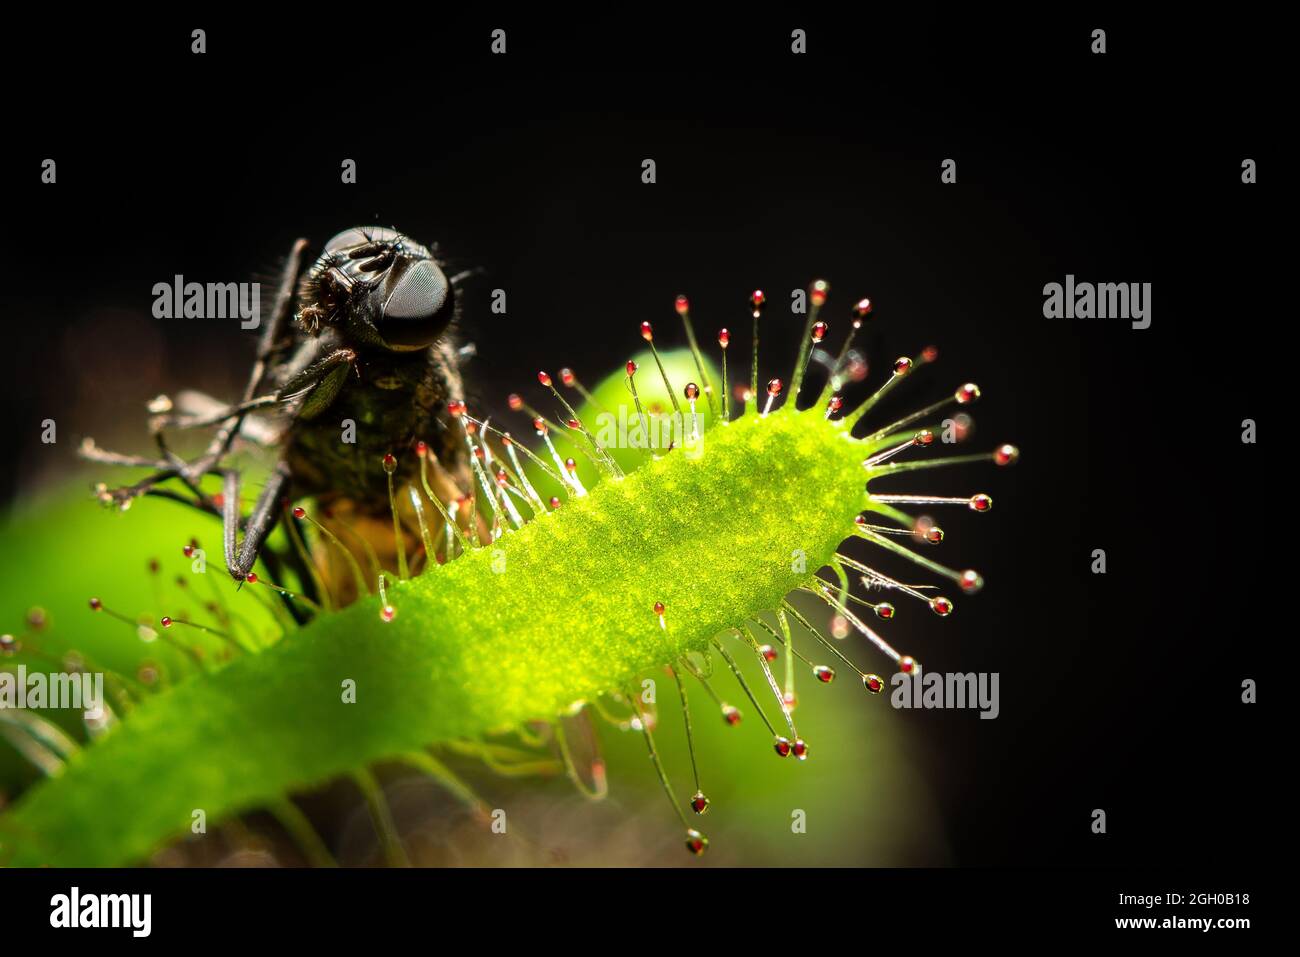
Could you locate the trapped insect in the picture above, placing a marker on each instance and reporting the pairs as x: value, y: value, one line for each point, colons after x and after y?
x: 356, y: 361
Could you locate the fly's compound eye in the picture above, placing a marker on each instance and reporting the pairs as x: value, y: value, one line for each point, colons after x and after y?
x: 417, y: 306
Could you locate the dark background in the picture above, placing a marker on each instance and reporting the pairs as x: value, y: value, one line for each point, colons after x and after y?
x: 1120, y: 691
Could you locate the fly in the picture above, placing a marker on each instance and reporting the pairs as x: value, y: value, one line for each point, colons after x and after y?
x: 357, y: 360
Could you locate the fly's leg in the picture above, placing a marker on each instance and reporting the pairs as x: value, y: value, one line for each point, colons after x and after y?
x: 320, y: 382
x: 91, y: 452
x: 171, y: 465
x: 218, y: 415
x: 241, y: 556
x: 191, y: 403
x: 317, y: 385
x: 271, y: 335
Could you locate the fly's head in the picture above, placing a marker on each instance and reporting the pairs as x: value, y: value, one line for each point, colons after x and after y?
x: 379, y: 289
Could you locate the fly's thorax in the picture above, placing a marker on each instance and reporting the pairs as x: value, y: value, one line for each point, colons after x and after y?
x: 388, y: 404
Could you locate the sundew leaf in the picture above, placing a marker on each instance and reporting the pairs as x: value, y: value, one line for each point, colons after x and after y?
x: 549, y: 616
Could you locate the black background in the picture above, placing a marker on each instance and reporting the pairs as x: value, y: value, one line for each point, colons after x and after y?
x: 772, y: 170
